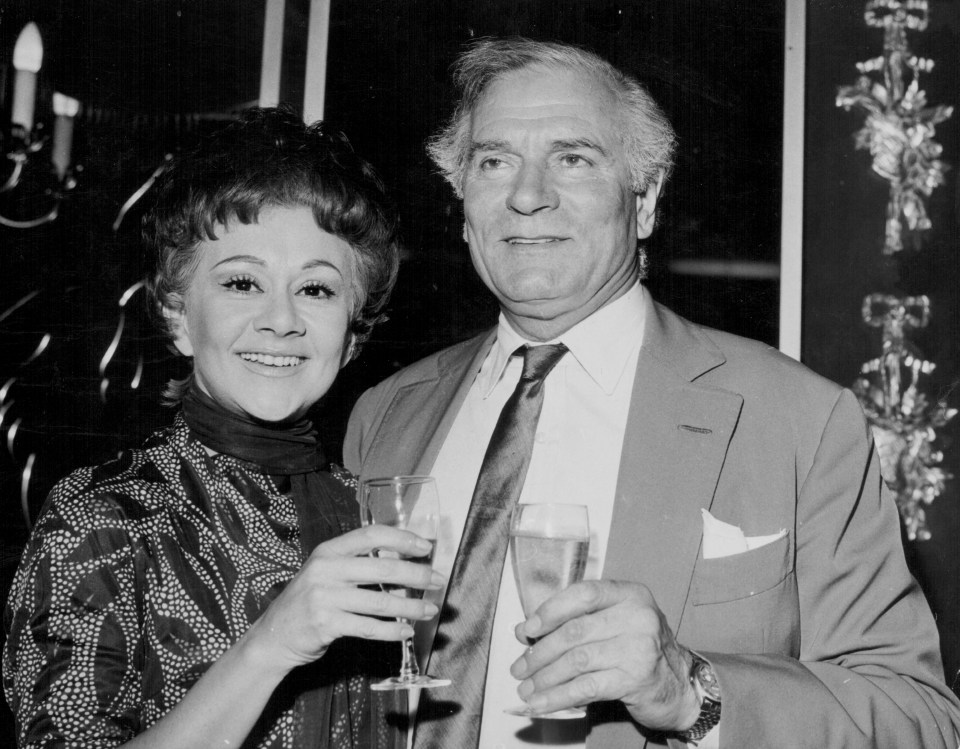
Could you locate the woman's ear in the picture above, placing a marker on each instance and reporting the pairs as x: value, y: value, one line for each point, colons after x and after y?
x: 349, y: 346
x: 177, y: 324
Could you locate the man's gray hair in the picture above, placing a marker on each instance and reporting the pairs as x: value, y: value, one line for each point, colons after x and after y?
x: 647, y: 135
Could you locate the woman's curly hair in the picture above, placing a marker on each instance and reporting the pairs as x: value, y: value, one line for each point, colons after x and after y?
x: 270, y: 158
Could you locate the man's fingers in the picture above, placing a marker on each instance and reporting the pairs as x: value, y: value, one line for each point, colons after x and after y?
x: 587, y: 688
x: 594, y: 657
x: 576, y: 601
x: 572, y: 636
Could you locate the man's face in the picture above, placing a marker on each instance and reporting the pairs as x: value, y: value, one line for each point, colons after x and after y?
x: 551, y: 220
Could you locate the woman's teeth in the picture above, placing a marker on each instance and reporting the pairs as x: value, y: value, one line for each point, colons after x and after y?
x: 273, y: 361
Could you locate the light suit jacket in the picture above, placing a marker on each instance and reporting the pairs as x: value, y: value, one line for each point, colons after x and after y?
x: 820, y: 639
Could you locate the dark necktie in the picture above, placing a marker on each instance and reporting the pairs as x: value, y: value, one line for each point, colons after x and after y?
x: 451, y: 717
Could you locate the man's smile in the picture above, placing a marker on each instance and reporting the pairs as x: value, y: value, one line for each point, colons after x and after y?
x: 534, y: 240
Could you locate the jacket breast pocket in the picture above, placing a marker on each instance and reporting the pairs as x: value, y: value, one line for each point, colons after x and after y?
x: 742, y: 575
x: 745, y: 603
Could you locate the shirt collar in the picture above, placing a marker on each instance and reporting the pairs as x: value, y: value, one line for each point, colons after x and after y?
x: 602, y: 343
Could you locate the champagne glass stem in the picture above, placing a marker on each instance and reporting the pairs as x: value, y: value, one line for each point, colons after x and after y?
x: 409, y: 503
x: 409, y: 668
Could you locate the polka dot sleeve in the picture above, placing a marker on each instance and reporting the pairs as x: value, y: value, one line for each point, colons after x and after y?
x: 71, y: 653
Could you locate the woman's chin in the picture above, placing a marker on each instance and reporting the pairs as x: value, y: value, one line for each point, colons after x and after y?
x: 273, y: 412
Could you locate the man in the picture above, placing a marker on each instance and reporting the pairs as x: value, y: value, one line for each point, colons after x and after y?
x: 752, y: 588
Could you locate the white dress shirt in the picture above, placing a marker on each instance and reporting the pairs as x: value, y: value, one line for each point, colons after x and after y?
x: 575, y: 459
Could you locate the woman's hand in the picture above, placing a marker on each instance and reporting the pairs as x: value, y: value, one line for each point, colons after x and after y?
x: 336, y: 594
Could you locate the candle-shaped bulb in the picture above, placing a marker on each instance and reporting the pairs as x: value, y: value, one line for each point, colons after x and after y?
x: 65, y: 108
x: 28, y: 51
x: 27, y: 59
x: 65, y: 105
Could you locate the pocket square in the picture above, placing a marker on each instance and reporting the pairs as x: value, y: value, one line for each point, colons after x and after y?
x: 723, y: 540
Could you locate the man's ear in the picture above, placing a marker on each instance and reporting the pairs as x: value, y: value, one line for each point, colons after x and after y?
x: 177, y: 323
x: 647, y: 207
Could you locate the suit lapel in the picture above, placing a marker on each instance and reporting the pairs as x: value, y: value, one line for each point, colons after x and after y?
x: 421, y: 413
x: 420, y: 416
x: 676, y: 440
x: 457, y: 377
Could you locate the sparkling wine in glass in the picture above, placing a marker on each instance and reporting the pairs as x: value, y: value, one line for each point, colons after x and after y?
x: 548, y: 549
x: 409, y: 503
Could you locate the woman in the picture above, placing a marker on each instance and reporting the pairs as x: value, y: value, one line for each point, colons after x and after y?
x: 197, y: 592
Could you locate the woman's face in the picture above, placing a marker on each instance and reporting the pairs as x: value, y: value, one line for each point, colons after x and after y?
x: 266, y: 313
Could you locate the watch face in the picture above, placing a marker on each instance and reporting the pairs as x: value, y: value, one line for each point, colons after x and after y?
x: 707, y: 679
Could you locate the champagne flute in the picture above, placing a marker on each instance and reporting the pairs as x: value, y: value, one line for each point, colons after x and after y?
x: 409, y: 503
x: 548, y: 550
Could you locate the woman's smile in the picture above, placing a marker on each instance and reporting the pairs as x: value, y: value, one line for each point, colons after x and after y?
x: 273, y: 360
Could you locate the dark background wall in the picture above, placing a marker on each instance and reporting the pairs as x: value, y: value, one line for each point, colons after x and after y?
x: 844, y: 213
x: 144, y: 71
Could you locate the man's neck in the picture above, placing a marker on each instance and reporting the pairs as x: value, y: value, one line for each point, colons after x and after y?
x: 540, y: 330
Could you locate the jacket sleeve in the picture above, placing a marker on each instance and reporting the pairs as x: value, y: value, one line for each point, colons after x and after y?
x: 869, y: 672
x: 358, y: 426
x: 70, y: 663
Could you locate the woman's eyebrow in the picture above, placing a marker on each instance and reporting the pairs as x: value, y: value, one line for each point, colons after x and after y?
x: 310, y: 264
x: 253, y: 259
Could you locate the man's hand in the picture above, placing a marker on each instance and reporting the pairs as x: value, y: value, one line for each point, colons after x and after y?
x: 607, y: 640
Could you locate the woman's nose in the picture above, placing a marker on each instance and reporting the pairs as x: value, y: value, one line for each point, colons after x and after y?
x: 532, y: 191
x: 280, y: 316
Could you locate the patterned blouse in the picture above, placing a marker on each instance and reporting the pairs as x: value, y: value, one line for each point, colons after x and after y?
x: 139, y: 575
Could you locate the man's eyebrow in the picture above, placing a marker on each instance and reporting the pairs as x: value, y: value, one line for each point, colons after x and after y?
x: 571, y: 144
x: 485, y: 146
x: 576, y: 143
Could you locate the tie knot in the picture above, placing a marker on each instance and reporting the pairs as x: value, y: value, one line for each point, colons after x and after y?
x: 539, y: 360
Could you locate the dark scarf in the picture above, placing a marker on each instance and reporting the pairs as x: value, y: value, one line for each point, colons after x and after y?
x: 282, y: 449
x: 290, y: 453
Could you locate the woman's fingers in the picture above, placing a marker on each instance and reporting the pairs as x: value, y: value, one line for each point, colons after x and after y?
x: 364, y: 540
x: 372, y: 571
x: 375, y: 603
x: 368, y: 628
x: 344, y: 591
x: 346, y: 559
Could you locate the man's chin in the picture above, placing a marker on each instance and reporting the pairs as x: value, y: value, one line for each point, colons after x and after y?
x: 543, y: 320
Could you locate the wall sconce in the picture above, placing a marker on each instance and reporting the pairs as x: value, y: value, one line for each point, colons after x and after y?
x: 22, y: 141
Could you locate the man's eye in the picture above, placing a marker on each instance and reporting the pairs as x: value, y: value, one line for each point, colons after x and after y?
x: 573, y: 159
x: 490, y: 162
x: 242, y: 284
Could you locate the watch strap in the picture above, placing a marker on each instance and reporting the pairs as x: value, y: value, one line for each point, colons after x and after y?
x: 705, y: 722
x: 707, y: 687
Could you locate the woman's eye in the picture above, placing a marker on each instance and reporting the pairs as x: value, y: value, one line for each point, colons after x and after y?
x: 317, y: 290
x: 241, y: 283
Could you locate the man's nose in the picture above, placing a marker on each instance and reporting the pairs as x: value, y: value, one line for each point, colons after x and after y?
x: 280, y: 316
x: 533, y: 191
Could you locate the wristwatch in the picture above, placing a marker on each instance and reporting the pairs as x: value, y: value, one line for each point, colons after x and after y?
x: 708, y: 689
